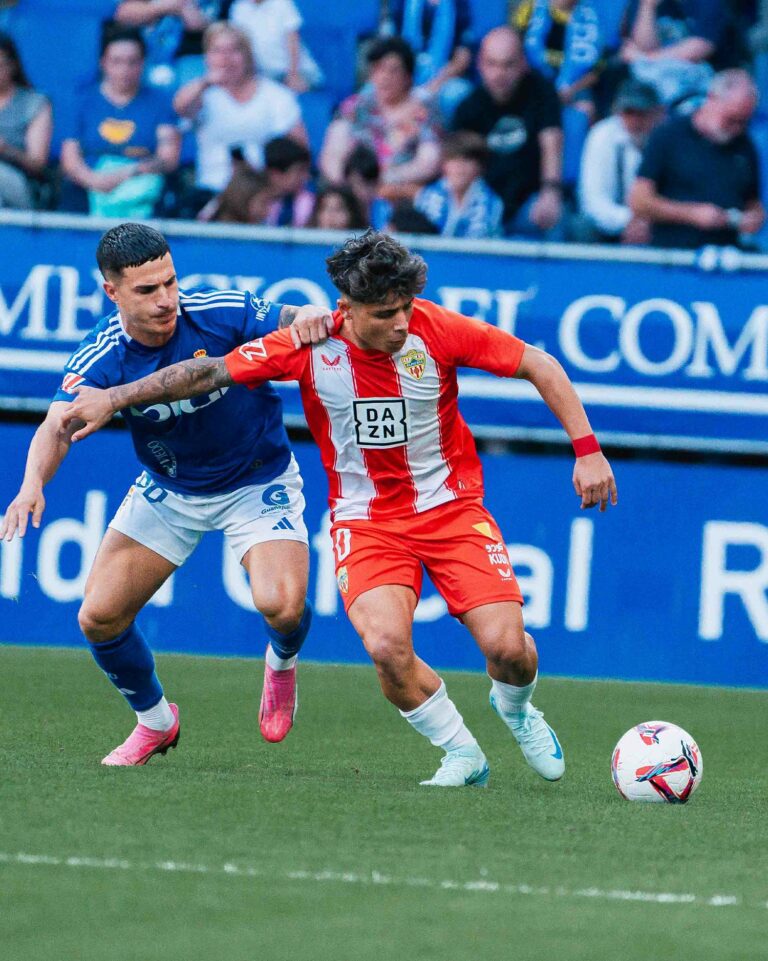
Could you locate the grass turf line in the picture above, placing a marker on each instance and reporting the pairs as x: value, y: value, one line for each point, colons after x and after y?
x: 341, y: 794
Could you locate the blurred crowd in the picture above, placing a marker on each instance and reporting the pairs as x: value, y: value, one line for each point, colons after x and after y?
x: 603, y: 121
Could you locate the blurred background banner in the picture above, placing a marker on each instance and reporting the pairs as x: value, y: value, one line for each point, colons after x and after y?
x: 669, y: 586
x: 664, y: 353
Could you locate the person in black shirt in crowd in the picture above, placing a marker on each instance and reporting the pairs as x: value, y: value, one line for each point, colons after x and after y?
x: 699, y: 182
x: 518, y: 112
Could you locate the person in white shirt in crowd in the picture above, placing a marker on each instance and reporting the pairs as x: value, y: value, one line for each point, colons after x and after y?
x: 234, y: 108
x: 273, y: 26
x: 609, y: 166
x: 461, y: 204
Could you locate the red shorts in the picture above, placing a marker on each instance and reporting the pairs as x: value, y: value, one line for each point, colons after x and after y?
x: 459, y: 544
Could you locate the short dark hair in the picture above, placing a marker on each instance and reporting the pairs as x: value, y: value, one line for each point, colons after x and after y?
x: 11, y: 51
x: 374, y: 268
x: 407, y: 219
x: 363, y: 161
x: 467, y: 145
x: 129, y: 245
x: 117, y: 33
x: 384, y: 46
x: 281, y: 153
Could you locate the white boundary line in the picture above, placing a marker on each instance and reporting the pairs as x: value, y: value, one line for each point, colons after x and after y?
x: 482, y: 885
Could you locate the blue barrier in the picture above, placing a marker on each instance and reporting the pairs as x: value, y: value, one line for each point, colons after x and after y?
x: 672, y: 585
x: 662, y: 353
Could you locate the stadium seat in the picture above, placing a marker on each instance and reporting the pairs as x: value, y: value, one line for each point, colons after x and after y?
x: 336, y: 53
x: 56, y: 68
x: 360, y: 17
x: 487, y: 14
x: 575, y: 130
x: 317, y: 109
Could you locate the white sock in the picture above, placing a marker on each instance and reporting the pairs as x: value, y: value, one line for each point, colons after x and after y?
x: 159, y: 718
x: 512, y: 699
x: 439, y: 720
x: 279, y: 663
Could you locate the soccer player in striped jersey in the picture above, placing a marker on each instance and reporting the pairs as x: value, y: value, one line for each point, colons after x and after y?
x: 220, y: 462
x: 406, y: 483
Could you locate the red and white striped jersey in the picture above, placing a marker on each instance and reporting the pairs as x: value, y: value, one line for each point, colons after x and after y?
x: 388, y: 426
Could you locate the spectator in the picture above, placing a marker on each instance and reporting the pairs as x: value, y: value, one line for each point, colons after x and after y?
x: 287, y: 166
x: 234, y: 108
x: 518, y: 112
x: 609, y: 166
x: 362, y: 174
x: 671, y: 43
x: 273, y: 26
x: 440, y: 34
x: 389, y: 118
x: 337, y: 208
x: 122, y: 139
x: 25, y: 130
x: 461, y: 204
x: 173, y: 32
x: 563, y: 43
x: 245, y: 200
x: 698, y: 182
x: 406, y: 219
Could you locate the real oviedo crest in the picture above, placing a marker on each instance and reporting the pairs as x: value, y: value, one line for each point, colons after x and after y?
x: 415, y: 362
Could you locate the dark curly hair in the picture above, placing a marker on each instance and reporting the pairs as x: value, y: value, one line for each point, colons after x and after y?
x: 374, y: 268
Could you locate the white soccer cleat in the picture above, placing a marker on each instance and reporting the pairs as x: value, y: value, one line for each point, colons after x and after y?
x: 537, y: 740
x: 465, y: 767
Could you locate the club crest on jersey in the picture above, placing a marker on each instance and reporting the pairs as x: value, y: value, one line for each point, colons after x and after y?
x: 415, y: 362
x: 200, y: 353
x: 70, y: 382
x: 254, y: 350
x: 342, y: 579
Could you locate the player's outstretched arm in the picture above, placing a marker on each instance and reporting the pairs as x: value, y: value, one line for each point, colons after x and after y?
x: 48, y: 449
x: 309, y: 324
x: 593, y: 478
x: 93, y: 408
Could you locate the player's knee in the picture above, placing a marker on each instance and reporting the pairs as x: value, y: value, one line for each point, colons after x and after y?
x: 390, y: 652
x: 99, y: 625
x: 506, y: 645
x: 281, y: 606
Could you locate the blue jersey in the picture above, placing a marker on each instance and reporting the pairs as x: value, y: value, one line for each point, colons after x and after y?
x: 213, y: 443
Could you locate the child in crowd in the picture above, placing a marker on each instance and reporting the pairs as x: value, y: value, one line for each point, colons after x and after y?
x: 337, y: 208
x: 287, y: 164
x: 461, y: 204
x: 245, y: 200
x: 273, y: 28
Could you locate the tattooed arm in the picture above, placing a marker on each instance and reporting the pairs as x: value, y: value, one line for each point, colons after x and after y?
x: 188, y: 378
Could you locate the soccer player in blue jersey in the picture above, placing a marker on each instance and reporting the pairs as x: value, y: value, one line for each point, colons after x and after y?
x: 220, y: 462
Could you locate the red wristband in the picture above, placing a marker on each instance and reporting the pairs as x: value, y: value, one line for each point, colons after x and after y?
x: 586, y: 445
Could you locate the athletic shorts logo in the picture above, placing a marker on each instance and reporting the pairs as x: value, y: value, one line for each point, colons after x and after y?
x: 70, y: 382
x: 342, y: 543
x: 380, y: 422
x: 275, y: 497
x: 342, y: 579
x: 415, y: 362
x: 254, y: 350
x: 497, y: 555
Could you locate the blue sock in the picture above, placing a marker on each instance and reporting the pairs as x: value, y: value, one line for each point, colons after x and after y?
x: 128, y: 663
x: 286, y: 645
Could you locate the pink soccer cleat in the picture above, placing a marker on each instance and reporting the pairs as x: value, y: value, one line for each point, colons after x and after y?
x: 278, y: 703
x: 143, y: 743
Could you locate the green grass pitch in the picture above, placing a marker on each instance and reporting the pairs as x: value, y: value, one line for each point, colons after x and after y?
x: 325, y: 847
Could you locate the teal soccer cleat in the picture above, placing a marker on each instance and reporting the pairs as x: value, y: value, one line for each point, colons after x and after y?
x: 537, y: 740
x: 465, y: 767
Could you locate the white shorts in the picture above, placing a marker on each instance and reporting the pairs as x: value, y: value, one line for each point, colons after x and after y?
x: 172, y: 524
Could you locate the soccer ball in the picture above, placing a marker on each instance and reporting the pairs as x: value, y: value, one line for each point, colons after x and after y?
x: 657, y: 761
